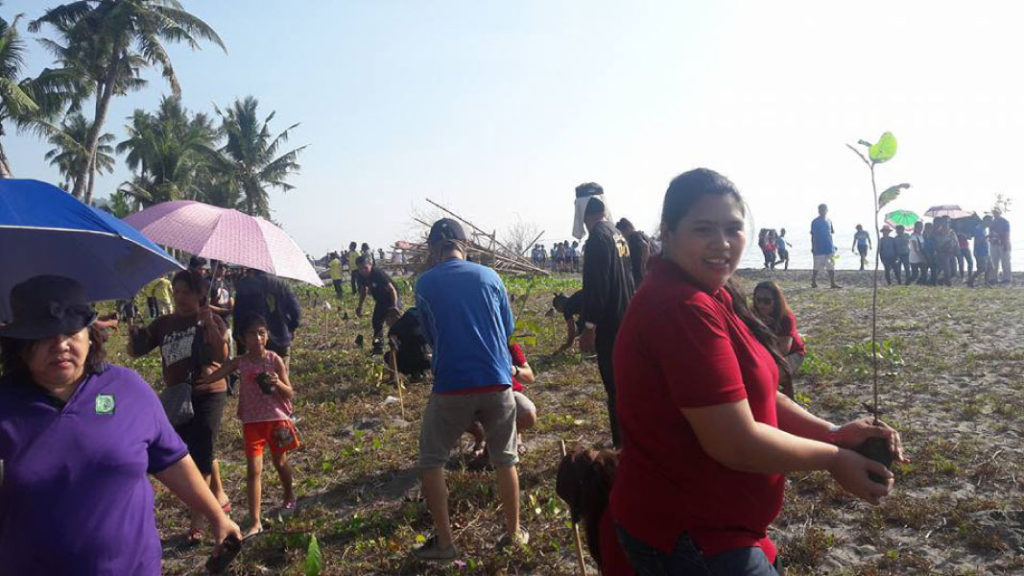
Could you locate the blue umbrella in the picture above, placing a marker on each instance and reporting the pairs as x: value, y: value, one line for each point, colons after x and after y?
x: 44, y: 230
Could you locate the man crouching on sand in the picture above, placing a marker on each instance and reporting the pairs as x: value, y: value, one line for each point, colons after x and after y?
x: 467, y: 321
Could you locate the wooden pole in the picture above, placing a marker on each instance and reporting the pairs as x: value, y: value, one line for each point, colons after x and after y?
x: 523, y: 253
x: 576, y: 533
x: 398, y: 378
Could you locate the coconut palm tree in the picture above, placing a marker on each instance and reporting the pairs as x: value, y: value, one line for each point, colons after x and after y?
x: 15, y: 97
x: 252, y: 158
x: 69, y: 152
x: 109, y: 42
x: 168, y: 150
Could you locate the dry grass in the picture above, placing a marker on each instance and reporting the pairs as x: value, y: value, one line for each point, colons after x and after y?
x: 953, y: 386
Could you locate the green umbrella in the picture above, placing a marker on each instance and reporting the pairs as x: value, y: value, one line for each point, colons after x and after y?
x: 904, y: 218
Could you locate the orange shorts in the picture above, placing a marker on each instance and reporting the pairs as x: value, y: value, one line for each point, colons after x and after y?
x: 281, y: 435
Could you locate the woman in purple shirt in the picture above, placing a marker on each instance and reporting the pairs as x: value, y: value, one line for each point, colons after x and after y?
x: 78, y: 439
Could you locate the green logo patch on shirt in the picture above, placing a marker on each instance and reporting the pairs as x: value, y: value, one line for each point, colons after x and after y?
x: 104, y: 404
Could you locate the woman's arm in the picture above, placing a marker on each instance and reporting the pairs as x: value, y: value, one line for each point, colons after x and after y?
x: 730, y: 435
x: 183, y: 479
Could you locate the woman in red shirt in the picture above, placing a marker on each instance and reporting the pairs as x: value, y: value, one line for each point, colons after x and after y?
x: 707, y: 437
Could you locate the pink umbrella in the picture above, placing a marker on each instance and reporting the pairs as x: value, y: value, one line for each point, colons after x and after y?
x: 952, y: 210
x: 226, y: 235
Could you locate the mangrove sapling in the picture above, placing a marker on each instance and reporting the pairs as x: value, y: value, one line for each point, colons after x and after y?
x: 884, y: 150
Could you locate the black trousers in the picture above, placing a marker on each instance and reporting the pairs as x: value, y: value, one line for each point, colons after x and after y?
x: 354, y: 275
x: 605, y: 343
x: 200, y: 433
x: 892, y: 265
x: 339, y: 287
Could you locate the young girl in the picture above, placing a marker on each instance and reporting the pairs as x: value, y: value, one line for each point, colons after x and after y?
x: 265, y: 408
x: 770, y: 307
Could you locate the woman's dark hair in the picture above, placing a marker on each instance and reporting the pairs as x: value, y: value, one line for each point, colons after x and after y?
x: 194, y: 281
x: 12, y: 352
x: 249, y: 321
x: 683, y: 193
x: 780, y: 310
x: 686, y: 189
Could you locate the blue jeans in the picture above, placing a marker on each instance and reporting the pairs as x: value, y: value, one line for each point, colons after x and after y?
x: 686, y: 559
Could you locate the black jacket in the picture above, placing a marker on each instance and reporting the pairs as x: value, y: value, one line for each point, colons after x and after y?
x: 607, y: 281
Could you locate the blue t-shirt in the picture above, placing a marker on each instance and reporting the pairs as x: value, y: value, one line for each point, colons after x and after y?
x: 77, y: 497
x: 821, y: 237
x: 862, y: 238
x: 980, y: 242
x: 467, y: 321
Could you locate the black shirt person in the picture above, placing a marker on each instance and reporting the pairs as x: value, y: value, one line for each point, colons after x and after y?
x: 607, y: 289
x: 385, y: 297
x: 639, y: 249
x: 570, y: 308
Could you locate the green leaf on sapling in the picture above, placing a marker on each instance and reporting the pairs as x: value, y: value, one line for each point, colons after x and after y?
x: 890, y: 194
x: 884, y: 149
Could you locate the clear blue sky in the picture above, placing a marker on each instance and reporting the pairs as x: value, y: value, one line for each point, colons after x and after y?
x: 500, y: 109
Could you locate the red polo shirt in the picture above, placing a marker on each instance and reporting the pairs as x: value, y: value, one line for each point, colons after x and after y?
x: 680, y: 347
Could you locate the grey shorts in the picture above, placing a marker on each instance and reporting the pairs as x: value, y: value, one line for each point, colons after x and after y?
x: 824, y: 263
x: 447, y: 417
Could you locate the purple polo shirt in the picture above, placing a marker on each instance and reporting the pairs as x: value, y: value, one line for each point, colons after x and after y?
x: 76, y: 498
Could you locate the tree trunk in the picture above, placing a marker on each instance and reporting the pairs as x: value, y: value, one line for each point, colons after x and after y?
x: 5, y: 167
x: 92, y: 180
x: 104, y: 92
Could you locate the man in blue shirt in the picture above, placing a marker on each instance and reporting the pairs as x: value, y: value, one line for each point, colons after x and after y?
x: 467, y: 321
x: 822, y: 247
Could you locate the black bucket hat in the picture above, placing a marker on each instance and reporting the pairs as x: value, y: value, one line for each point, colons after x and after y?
x: 45, y: 306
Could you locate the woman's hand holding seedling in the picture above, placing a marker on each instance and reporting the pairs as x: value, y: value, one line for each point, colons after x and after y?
x: 854, y: 433
x: 851, y: 470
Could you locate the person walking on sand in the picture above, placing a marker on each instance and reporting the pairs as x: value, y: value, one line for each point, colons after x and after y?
x: 265, y: 409
x: 467, y: 319
x: 782, y: 246
x: 861, y: 245
x: 999, y: 242
x: 822, y: 247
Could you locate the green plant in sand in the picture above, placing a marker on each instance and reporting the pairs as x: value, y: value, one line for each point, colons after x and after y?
x: 878, y: 153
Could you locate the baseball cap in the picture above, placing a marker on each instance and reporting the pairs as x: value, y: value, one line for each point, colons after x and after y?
x: 445, y: 229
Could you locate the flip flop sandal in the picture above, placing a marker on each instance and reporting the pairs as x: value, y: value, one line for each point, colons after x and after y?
x: 195, y: 536
x: 288, y: 505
